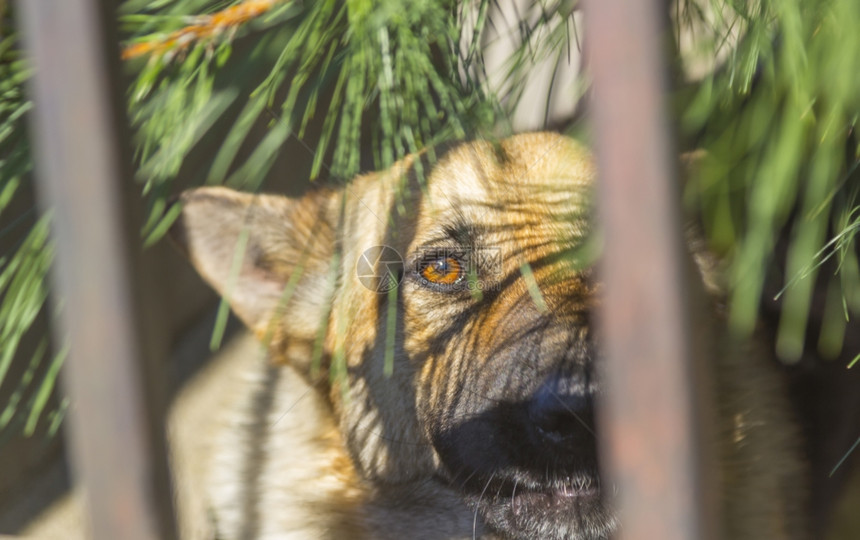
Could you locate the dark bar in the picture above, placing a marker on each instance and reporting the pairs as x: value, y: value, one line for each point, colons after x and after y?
x: 650, y: 416
x: 82, y: 165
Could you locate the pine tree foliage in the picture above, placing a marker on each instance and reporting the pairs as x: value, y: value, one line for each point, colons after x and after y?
x: 779, y: 122
x: 23, y: 269
x: 771, y: 94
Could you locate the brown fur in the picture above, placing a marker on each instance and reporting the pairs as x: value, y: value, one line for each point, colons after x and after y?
x: 444, y: 445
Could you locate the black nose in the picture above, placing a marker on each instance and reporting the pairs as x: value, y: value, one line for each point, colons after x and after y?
x: 561, y: 415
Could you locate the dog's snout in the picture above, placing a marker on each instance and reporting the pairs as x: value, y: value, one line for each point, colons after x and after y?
x: 562, y: 417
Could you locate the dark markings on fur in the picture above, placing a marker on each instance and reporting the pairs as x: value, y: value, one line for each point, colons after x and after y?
x: 257, y: 434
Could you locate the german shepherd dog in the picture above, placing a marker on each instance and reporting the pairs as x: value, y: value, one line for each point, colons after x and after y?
x: 434, y: 367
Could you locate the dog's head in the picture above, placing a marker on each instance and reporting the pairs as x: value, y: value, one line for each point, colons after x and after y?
x: 449, y: 303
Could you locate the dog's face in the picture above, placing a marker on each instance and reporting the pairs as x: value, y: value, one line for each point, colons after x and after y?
x: 463, y: 352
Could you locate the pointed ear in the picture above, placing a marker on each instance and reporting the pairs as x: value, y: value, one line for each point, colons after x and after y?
x: 249, y: 247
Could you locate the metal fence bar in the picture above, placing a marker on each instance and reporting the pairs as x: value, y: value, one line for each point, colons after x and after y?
x: 116, y: 442
x: 651, y: 432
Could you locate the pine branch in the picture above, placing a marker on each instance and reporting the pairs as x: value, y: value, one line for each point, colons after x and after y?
x: 203, y: 28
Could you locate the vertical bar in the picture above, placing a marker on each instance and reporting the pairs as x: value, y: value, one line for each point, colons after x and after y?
x: 81, y: 164
x: 651, y: 418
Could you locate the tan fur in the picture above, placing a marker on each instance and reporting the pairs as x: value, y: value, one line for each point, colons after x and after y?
x: 345, y: 449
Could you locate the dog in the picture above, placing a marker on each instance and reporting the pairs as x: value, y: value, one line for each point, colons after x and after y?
x: 434, y: 365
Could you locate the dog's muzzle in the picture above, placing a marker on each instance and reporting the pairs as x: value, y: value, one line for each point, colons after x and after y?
x: 561, y: 421
x: 530, y: 466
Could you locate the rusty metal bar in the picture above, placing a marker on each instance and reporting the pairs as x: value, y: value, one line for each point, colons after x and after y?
x: 81, y: 163
x: 652, y: 433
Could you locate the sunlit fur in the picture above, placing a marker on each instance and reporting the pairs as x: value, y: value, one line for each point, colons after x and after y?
x: 441, y: 446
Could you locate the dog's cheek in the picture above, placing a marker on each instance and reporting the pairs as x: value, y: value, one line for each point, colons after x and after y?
x: 443, y: 376
x: 378, y: 417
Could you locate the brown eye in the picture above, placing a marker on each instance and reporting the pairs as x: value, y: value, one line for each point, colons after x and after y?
x: 443, y: 271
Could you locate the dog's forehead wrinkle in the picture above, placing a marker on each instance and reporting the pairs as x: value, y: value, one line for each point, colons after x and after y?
x: 472, y: 174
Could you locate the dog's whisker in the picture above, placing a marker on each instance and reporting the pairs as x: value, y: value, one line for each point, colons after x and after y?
x: 291, y: 407
x: 574, y: 414
x: 498, y: 491
x: 466, y: 481
x: 369, y: 431
x: 478, y: 506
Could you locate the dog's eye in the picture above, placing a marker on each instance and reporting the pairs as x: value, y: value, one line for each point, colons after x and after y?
x: 442, y: 271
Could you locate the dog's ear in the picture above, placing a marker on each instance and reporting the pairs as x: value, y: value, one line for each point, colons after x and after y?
x: 269, y: 256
